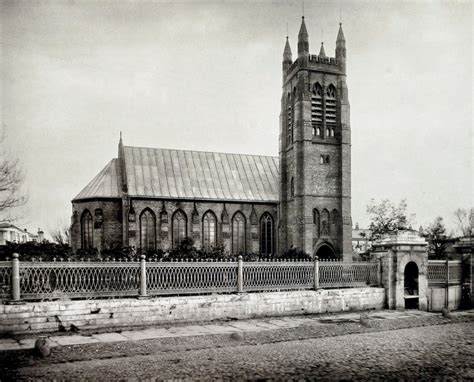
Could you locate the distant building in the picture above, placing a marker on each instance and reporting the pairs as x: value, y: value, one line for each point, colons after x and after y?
x: 13, y: 234
x: 360, y: 239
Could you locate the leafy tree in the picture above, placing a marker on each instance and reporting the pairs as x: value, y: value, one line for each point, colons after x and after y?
x: 464, y: 220
x: 437, y: 238
x: 11, y: 180
x: 386, y: 217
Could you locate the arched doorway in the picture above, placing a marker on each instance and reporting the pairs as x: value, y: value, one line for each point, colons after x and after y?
x: 325, y: 252
x: 411, y: 286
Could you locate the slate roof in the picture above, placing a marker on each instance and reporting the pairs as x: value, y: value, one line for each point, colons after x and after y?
x: 186, y: 174
x: 104, y: 185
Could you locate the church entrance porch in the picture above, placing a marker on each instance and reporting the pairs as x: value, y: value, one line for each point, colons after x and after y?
x: 325, y: 252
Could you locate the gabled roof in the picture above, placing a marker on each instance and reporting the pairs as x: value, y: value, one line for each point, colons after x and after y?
x: 104, y: 185
x: 165, y: 173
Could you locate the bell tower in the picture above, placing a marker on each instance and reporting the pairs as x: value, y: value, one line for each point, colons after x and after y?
x: 315, y: 152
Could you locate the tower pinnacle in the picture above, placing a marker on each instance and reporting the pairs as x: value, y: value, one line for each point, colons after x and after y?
x: 322, y: 53
x: 303, y: 41
x: 287, y: 56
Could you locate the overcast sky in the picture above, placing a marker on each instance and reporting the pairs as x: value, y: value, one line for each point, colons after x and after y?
x: 207, y: 76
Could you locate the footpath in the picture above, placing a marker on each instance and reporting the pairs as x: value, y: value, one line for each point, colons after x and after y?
x: 271, y: 329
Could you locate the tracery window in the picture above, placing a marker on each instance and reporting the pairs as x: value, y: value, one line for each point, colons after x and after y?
x: 147, y: 229
x: 180, y: 225
x: 209, y: 229
x: 86, y: 230
x: 238, y: 233
x: 317, y: 109
x: 330, y: 115
x: 266, y: 234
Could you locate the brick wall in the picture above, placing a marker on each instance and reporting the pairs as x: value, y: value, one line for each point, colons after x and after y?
x: 53, y: 316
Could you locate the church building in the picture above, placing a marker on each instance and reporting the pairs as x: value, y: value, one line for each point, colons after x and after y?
x: 151, y: 198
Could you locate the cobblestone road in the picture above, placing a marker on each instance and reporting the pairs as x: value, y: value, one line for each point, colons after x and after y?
x: 439, y: 351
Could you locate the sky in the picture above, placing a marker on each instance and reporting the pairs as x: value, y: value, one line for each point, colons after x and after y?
x: 206, y: 75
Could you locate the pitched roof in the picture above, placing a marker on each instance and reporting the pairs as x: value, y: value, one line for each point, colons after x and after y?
x: 186, y: 174
x: 104, y: 185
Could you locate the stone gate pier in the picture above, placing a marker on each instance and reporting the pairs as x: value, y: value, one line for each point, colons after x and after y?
x: 404, y: 264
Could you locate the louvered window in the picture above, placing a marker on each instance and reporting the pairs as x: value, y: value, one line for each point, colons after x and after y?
x: 289, y: 120
x: 330, y: 111
x: 317, y: 109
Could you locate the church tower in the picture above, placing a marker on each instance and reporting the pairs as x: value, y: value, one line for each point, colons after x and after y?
x: 315, y: 152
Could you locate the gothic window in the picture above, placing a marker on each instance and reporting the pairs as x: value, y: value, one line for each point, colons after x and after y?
x: 324, y: 159
x: 180, y: 225
x: 316, y: 220
x: 330, y: 115
x: 325, y: 223
x: 335, y: 218
x: 289, y: 119
x: 209, y: 230
x: 86, y: 230
x: 292, y: 188
x: 238, y: 233
x: 317, y: 108
x: 266, y: 234
x: 147, y: 229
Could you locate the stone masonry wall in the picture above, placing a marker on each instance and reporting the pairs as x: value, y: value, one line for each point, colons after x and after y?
x: 110, y: 233
x: 39, y: 317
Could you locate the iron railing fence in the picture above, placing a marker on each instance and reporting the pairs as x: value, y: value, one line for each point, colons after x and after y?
x: 82, y: 279
x: 5, y: 279
x: 190, y: 277
x: 438, y: 274
x: 274, y: 275
x: 348, y: 274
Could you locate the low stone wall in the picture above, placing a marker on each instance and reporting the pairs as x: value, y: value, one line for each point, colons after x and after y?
x: 437, y: 298
x: 36, y: 317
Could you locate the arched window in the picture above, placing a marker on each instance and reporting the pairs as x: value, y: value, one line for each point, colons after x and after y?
x: 292, y: 188
x: 147, y: 229
x: 335, y: 222
x: 209, y: 230
x: 180, y: 227
x: 316, y: 220
x: 330, y: 115
x: 325, y: 223
x: 317, y: 108
x: 266, y: 234
x: 86, y: 230
x: 238, y: 233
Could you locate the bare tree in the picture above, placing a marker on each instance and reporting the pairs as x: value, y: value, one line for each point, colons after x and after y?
x: 60, y: 234
x: 11, y: 181
x: 464, y: 220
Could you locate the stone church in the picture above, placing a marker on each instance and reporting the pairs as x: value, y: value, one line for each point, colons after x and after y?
x: 151, y: 198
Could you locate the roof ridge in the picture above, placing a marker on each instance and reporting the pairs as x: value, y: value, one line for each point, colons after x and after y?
x: 202, y: 151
